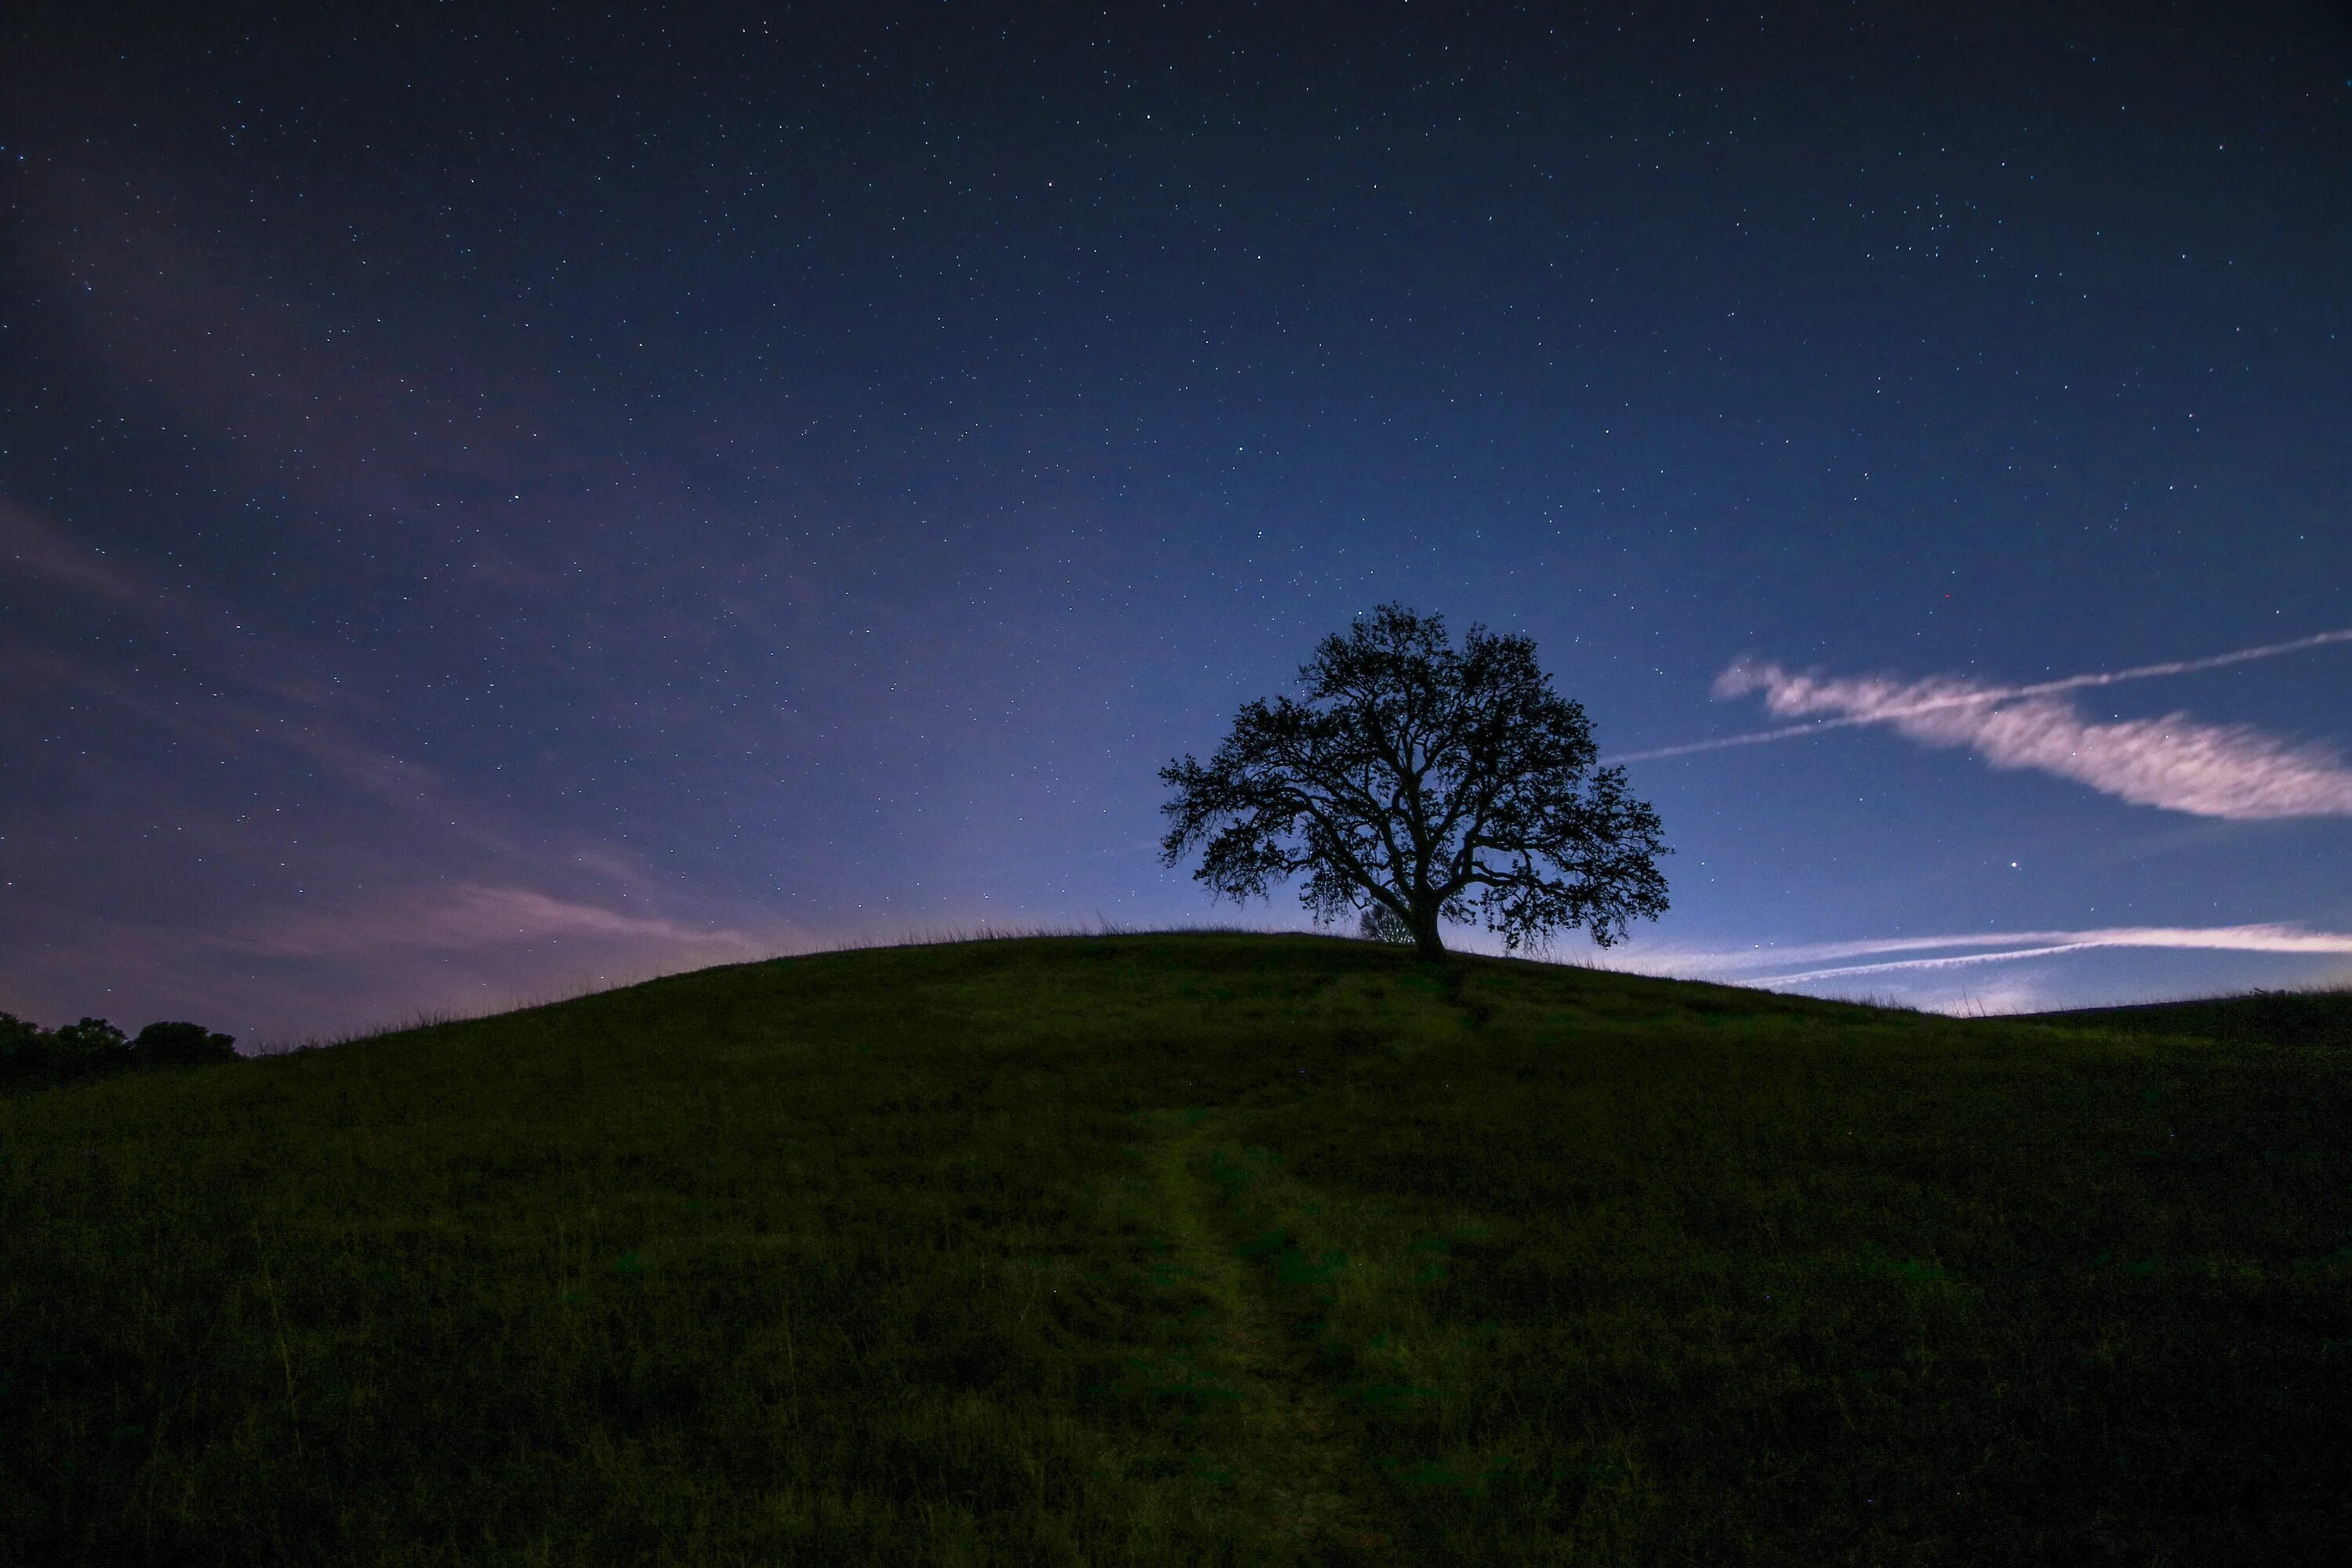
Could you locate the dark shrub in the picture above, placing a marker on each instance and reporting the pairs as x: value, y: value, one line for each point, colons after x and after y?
x: 87, y: 1050
x: 35, y: 1057
x: 24, y: 1052
x: 180, y: 1044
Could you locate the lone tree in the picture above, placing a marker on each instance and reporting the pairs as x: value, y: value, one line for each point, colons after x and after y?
x: 1417, y: 785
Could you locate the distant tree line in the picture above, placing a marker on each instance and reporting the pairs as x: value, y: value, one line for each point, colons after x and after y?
x: 35, y: 1057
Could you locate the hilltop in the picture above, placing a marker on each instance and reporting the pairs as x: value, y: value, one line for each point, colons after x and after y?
x: 1184, y: 1249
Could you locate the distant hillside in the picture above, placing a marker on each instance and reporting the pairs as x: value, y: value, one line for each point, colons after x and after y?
x: 1185, y: 1249
x: 2279, y: 1017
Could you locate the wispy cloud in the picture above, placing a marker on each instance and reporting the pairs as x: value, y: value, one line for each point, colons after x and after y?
x: 278, y: 977
x: 2174, y: 761
x: 2020, y: 945
x: 34, y: 551
x: 2177, y: 762
x: 1983, y: 694
x: 473, y: 916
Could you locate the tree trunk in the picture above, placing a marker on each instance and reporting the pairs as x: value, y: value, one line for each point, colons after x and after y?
x: 1424, y: 931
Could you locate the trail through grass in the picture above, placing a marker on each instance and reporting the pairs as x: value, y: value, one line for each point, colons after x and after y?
x: 1289, y: 1466
x: 1178, y: 1250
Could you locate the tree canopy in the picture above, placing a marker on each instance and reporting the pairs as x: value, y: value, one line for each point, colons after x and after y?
x: 1419, y: 784
x: 32, y: 1056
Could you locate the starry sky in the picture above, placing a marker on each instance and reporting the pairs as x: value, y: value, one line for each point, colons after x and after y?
x: 497, y: 500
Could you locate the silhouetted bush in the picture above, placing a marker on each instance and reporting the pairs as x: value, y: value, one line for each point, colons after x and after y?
x: 180, y: 1044
x: 88, y: 1049
x: 24, y: 1052
x: 35, y: 1057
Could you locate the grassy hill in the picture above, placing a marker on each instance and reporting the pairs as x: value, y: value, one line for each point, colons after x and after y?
x: 1186, y: 1250
x: 2278, y: 1018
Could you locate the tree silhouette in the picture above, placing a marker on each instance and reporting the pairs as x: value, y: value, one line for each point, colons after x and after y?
x: 32, y: 1056
x: 87, y: 1050
x: 1430, y: 784
x: 23, y: 1050
x: 182, y: 1045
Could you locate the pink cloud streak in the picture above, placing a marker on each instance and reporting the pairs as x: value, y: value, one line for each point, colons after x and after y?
x: 474, y: 915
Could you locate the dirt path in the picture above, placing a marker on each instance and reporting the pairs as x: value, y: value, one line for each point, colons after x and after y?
x: 1292, y: 1464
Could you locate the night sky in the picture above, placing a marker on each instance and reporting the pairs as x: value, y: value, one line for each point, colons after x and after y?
x: 497, y: 500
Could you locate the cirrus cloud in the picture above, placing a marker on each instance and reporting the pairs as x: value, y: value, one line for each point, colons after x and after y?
x: 1773, y: 964
x: 472, y: 916
x: 2012, y: 945
x: 2175, y: 763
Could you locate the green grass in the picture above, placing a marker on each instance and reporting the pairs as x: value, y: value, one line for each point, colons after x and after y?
x: 1186, y: 1250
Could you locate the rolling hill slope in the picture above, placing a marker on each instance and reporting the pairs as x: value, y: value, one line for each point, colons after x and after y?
x: 1182, y: 1249
x: 2272, y: 1018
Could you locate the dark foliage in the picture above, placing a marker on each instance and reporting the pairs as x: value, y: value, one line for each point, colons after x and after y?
x: 1427, y: 783
x: 23, y: 1051
x: 35, y: 1057
x: 90, y: 1049
x: 180, y: 1044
